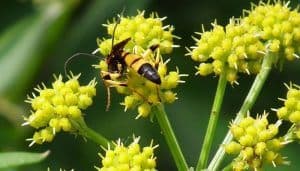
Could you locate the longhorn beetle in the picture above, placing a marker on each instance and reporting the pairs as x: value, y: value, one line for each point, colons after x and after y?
x: 118, y: 60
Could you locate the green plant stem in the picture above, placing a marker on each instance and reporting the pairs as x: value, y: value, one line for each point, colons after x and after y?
x: 90, y: 134
x: 212, y: 124
x: 228, y: 167
x: 11, y: 111
x: 247, y: 105
x: 290, y: 135
x: 169, y: 135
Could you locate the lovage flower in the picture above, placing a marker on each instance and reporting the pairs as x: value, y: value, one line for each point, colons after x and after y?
x: 233, y: 48
x: 144, y: 34
x: 52, y: 108
x: 291, y: 109
x: 278, y: 27
x: 130, y: 157
x: 255, y: 143
x: 240, y: 46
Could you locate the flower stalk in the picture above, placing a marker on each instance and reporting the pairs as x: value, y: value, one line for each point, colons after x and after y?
x: 228, y: 167
x: 212, y: 124
x: 247, y: 105
x: 90, y: 134
x: 169, y: 135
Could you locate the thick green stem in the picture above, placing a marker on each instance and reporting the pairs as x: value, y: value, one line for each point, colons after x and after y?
x: 169, y: 135
x: 247, y: 105
x: 212, y: 124
x: 228, y: 167
x: 89, y: 133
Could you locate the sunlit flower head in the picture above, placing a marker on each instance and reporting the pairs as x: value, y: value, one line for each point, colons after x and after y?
x: 239, y: 47
x: 149, y: 40
x: 132, y: 157
x: 290, y: 111
x: 52, y: 108
x: 255, y: 143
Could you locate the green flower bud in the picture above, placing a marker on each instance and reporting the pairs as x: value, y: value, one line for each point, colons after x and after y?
x: 275, y: 144
x: 84, y: 101
x: 247, y: 153
x: 65, y: 124
x: 144, y: 110
x: 236, y: 131
x: 89, y: 90
x: 205, y: 69
x: 47, y: 93
x: 61, y: 110
x: 282, y: 113
x: 239, y: 165
x: 169, y: 96
x: 270, y: 156
x: 73, y: 84
x: 295, y: 117
x: 58, y: 84
x: 260, y: 148
x: 74, y: 112
x: 58, y: 100
x: 134, y: 149
x: 246, y: 122
x: 71, y: 99
x: 233, y: 148
x: 129, y: 102
x: 54, y: 123
x: 46, y: 134
x: 246, y: 140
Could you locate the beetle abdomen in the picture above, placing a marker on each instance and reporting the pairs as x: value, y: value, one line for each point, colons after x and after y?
x: 147, y: 71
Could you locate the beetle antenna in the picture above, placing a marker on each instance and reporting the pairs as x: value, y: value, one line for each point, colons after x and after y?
x: 76, y: 55
x: 119, y: 20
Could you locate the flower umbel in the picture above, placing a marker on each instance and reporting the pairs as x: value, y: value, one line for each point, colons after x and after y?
x: 255, y: 143
x: 233, y: 49
x: 53, y: 107
x: 144, y: 33
x: 291, y: 109
x: 278, y: 26
x: 131, y: 157
x: 240, y: 46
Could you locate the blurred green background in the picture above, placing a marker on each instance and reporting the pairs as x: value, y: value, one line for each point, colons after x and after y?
x: 37, y: 38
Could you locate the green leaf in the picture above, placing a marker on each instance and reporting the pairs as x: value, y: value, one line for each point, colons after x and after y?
x: 24, y: 44
x: 13, y: 159
x: 97, y: 13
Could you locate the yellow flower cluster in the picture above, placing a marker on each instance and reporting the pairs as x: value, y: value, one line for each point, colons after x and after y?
x: 291, y: 109
x: 131, y: 158
x: 53, y: 107
x: 240, y: 46
x: 233, y: 49
x: 279, y: 27
x: 255, y: 143
x: 144, y: 33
